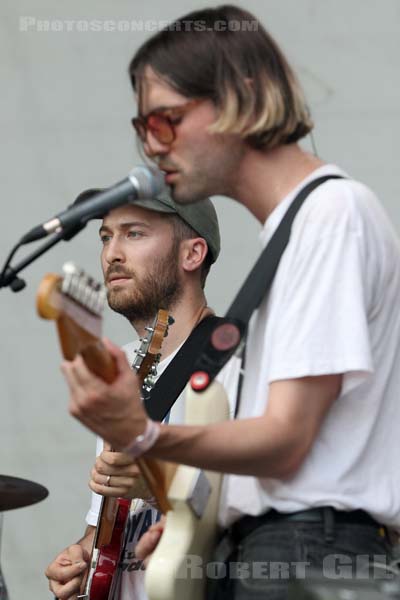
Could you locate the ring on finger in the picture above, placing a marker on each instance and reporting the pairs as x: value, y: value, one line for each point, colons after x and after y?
x: 108, y: 480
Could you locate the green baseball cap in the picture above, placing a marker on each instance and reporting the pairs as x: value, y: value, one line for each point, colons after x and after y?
x: 200, y: 216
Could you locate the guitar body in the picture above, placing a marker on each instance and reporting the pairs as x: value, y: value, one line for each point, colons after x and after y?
x: 177, y: 568
x: 105, y: 559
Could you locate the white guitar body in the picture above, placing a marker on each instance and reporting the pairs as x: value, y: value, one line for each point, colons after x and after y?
x: 177, y: 569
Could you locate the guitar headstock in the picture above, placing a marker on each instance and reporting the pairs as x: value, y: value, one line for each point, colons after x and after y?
x: 75, y: 301
x: 149, y: 352
x: 75, y: 294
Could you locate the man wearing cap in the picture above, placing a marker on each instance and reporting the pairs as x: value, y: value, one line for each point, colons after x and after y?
x: 155, y: 254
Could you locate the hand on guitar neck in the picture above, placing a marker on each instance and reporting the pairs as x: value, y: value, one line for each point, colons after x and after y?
x: 87, y: 390
x: 116, y: 474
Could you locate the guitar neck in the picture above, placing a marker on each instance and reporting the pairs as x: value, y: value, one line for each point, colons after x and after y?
x: 156, y: 476
x: 157, y: 479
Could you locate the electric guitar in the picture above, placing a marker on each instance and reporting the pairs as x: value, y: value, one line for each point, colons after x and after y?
x: 75, y: 301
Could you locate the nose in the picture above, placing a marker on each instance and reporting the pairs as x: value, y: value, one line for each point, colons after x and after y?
x: 113, y: 252
x: 153, y: 147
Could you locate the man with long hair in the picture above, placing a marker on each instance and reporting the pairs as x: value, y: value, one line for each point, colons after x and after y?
x: 221, y: 112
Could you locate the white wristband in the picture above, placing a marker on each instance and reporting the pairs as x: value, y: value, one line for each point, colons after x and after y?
x: 145, y: 440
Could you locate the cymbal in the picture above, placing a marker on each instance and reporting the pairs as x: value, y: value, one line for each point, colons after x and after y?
x: 16, y: 492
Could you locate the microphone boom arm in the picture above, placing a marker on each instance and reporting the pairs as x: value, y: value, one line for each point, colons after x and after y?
x: 9, y: 274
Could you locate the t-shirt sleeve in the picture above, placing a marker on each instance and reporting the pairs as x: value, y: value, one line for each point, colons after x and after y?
x: 320, y: 326
x: 94, y: 510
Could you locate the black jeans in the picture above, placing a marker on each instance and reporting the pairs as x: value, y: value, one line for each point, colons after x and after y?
x: 263, y: 564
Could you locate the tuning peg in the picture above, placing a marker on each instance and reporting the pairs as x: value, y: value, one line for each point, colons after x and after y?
x: 171, y: 321
x: 70, y: 268
x: 140, y: 353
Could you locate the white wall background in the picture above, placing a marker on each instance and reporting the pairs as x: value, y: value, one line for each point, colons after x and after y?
x: 64, y: 122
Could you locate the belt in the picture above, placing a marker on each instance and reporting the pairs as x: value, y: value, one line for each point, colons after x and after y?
x: 326, y: 515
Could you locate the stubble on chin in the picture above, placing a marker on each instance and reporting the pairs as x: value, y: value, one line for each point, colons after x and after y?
x: 189, y: 194
x: 209, y: 175
x: 119, y: 301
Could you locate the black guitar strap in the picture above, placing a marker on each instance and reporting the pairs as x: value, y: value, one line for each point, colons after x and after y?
x: 226, y: 337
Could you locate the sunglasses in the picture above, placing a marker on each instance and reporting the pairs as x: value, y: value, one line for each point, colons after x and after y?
x: 162, y: 122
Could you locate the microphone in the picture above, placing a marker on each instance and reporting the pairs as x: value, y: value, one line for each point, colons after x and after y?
x: 142, y: 182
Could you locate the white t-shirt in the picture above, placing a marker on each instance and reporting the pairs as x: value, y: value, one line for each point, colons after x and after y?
x: 334, y: 307
x: 131, y: 582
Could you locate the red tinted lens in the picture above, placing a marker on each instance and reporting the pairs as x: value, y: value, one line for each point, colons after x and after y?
x: 161, y: 128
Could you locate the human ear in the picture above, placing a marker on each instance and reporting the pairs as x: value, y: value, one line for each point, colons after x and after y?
x: 194, y: 252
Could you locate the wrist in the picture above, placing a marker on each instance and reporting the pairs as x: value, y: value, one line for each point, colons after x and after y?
x: 146, y: 440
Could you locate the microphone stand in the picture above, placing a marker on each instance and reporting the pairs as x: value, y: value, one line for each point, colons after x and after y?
x: 9, y: 278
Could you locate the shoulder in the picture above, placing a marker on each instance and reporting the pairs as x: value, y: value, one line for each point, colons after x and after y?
x: 339, y: 206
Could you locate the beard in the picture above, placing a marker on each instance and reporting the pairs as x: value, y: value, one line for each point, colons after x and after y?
x: 159, y: 288
x: 210, y: 175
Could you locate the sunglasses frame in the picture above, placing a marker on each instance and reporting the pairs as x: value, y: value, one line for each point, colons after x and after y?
x: 170, y: 116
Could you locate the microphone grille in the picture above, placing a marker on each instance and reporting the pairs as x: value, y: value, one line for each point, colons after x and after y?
x: 148, y: 181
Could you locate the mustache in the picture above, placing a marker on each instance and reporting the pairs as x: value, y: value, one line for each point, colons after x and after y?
x: 167, y: 166
x: 117, y: 270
